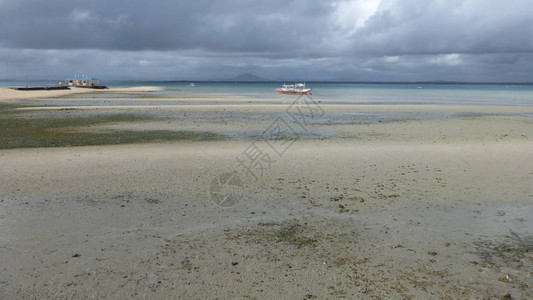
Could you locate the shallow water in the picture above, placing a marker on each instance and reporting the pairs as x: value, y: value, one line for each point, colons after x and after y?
x: 347, y: 93
x: 343, y: 93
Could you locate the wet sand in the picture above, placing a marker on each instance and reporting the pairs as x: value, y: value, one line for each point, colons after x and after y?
x: 413, y: 208
x: 276, y: 107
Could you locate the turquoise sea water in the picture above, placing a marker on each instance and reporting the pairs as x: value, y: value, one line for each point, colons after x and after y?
x: 367, y: 93
x: 379, y: 93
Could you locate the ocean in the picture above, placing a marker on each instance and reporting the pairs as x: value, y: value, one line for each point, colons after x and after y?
x: 344, y: 93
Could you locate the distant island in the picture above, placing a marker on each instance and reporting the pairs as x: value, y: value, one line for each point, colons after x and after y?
x: 249, y: 77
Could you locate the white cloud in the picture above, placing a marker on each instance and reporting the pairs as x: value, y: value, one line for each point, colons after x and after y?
x: 79, y: 15
x: 352, y: 15
x: 446, y: 59
x: 119, y: 21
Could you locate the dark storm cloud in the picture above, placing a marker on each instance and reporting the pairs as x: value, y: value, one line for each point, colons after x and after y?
x: 251, y: 26
x: 473, y: 40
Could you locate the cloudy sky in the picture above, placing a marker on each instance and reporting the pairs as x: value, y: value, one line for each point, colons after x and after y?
x: 360, y: 40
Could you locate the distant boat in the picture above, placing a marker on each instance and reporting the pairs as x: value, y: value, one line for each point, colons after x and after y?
x: 192, y: 84
x: 297, y: 88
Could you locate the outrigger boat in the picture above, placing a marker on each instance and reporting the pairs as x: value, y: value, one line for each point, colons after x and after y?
x: 297, y: 88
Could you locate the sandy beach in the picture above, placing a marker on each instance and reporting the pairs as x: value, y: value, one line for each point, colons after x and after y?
x: 429, y: 201
x: 8, y: 94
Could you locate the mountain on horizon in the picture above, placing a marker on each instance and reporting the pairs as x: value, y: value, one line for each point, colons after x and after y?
x: 249, y: 77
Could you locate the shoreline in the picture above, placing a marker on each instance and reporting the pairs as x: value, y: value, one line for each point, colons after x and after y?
x: 9, y: 94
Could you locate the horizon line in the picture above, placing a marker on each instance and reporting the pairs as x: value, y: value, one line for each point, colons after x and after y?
x: 307, y: 81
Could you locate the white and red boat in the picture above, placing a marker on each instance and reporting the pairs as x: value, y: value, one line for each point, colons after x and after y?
x: 297, y: 88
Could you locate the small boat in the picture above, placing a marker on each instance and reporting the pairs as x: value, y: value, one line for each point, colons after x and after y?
x: 297, y: 88
x: 192, y: 84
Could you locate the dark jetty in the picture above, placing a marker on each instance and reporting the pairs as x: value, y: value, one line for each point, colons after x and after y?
x: 50, y: 88
x: 41, y: 88
x: 98, y: 87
